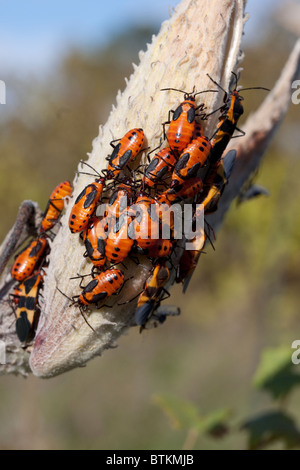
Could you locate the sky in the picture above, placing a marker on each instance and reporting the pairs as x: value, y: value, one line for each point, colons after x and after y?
x: 34, y: 34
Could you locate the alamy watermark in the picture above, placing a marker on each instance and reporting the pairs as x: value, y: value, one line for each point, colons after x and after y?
x: 156, y: 221
x: 296, y: 354
x: 296, y: 94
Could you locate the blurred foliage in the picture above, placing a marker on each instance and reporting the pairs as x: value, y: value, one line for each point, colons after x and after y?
x: 185, y: 415
x: 276, y: 372
x: 270, y: 428
x: 243, y: 297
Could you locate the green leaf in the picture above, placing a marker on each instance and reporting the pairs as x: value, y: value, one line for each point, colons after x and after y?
x: 215, y: 423
x: 272, y: 427
x: 185, y: 415
x: 182, y: 414
x: 276, y: 373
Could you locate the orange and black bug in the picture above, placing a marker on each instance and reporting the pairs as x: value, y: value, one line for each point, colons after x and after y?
x: 120, y: 240
x: 198, y: 131
x: 181, y: 192
x: 162, y: 249
x: 231, y: 111
x: 145, y: 227
x: 182, y: 126
x: 55, y: 205
x: 94, y: 237
x: 125, y: 151
x: 190, y: 256
x: 102, y: 286
x: 120, y: 199
x: 215, y: 183
x: 27, y: 312
x: 85, y: 205
x: 159, y: 167
x: 29, y: 259
x: 150, y: 298
x: 193, y: 157
x: 216, y: 180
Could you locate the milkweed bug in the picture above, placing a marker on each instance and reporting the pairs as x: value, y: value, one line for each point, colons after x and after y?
x: 193, y: 157
x: 146, y: 223
x: 162, y: 249
x: 182, y: 191
x: 188, y: 262
x: 102, y: 286
x: 55, y: 205
x: 151, y: 295
x: 125, y: 151
x: 29, y: 258
x: 26, y: 311
x: 120, y: 199
x: 159, y: 167
x: 182, y: 126
x: 85, y: 205
x: 215, y: 183
x: 232, y: 110
x: 216, y: 180
x: 119, y: 241
x: 94, y: 237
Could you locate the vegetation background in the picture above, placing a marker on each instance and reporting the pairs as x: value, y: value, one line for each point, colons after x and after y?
x: 188, y: 384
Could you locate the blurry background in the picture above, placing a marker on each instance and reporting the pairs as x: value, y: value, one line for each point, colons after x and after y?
x: 63, y: 63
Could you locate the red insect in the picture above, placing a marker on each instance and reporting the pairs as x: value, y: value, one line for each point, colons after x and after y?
x: 27, y: 312
x: 160, y: 167
x: 151, y: 295
x: 193, y: 158
x: 146, y: 224
x: 232, y: 110
x: 55, y: 205
x: 94, y: 237
x: 198, y: 132
x: 216, y: 180
x: 29, y: 259
x: 121, y: 198
x: 119, y: 241
x: 182, y: 191
x: 182, y: 125
x: 102, y: 286
x: 162, y: 249
x: 125, y: 151
x: 85, y: 205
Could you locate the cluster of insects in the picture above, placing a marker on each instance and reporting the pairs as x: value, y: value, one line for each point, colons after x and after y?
x: 28, y: 266
x: 123, y: 213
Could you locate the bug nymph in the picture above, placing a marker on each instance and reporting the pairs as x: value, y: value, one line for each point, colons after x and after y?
x: 29, y: 259
x: 102, y: 286
x: 55, y: 205
x: 94, y: 237
x: 160, y: 167
x: 85, y: 205
x: 231, y: 112
x: 125, y: 151
x: 183, y: 124
x: 193, y: 157
x: 151, y: 295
